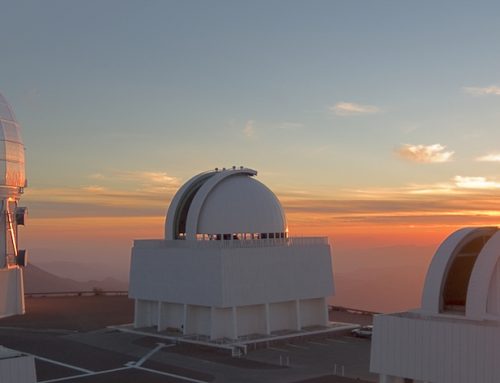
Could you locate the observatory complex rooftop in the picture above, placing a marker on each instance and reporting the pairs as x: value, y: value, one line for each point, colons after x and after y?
x: 72, y: 343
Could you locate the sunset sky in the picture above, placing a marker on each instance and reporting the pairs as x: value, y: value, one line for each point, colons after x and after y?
x: 375, y: 122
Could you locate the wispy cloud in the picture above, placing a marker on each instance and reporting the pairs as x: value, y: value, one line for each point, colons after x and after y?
x: 460, y: 201
x: 160, y: 178
x: 425, y: 153
x: 249, y: 129
x: 148, y: 181
x: 94, y: 189
x: 476, y: 183
x: 482, y: 91
x: 466, y: 186
x: 492, y: 157
x: 115, y: 192
x: 352, y: 109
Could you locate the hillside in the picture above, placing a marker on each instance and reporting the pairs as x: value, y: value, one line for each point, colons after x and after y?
x: 37, y: 280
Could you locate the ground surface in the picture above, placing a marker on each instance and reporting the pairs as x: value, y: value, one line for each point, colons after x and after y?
x: 69, y: 338
x: 84, y: 313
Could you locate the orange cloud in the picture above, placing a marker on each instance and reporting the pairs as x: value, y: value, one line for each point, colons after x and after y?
x: 425, y: 153
x: 409, y: 214
x: 412, y: 214
x: 117, y: 193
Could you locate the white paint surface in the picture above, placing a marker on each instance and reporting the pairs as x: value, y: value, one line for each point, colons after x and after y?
x: 12, y: 292
x: 445, y: 346
x: 194, y: 289
x: 18, y: 369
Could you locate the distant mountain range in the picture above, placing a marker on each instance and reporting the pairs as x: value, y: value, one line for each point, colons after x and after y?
x: 383, y: 279
x: 82, y: 270
x: 37, y: 280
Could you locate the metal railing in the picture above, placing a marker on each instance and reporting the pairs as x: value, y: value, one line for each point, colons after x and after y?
x: 291, y: 241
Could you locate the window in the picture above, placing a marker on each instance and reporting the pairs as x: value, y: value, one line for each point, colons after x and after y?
x: 454, y: 294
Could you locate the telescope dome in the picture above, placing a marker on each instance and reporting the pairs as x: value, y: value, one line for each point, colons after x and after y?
x: 12, y: 171
x: 225, y: 204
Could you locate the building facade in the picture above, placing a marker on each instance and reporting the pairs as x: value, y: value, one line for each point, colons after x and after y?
x: 227, y: 267
x: 455, y: 336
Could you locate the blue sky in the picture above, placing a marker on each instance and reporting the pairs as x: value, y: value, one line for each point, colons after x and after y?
x: 170, y: 86
x: 352, y: 111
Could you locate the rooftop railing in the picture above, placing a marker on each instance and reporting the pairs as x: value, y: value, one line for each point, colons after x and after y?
x: 218, y: 244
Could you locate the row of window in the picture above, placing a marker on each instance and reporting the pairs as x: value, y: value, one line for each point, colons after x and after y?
x: 237, y: 236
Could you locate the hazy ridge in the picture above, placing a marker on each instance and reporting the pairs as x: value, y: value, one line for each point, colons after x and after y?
x: 382, y: 279
x: 37, y: 280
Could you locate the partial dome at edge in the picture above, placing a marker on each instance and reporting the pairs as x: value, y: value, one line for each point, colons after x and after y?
x: 12, y: 167
x: 6, y: 112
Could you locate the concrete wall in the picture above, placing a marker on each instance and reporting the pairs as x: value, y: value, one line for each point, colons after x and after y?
x: 20, y: 369
x: 429, y: 349
x: 191, y: 276
x: 283, y: 316
x: 251, y: 320
x: 276, y: 274
x: 198, y: 320
x: 226, y: 277
x: 12, y: 297
x: 222, y: 323
x: 230, y: 322
x: 171, y: 315
x: 145, y: 313
x: 203, y: 284
x: 313, y: 312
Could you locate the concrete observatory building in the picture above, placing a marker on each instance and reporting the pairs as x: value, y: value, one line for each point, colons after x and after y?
x: 12, y: 183
x: 227, y: 267
x: 455, y: 336
x: 15, y: 367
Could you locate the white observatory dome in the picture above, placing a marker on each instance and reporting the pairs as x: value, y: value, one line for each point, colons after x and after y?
x: 12, y: 174
x: 224, y: 204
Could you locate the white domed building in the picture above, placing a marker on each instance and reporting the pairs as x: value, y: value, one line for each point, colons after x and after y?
x: 15, y: 367
x: 12, y: 183
x: 455, y: 336
x: 227, y: 267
